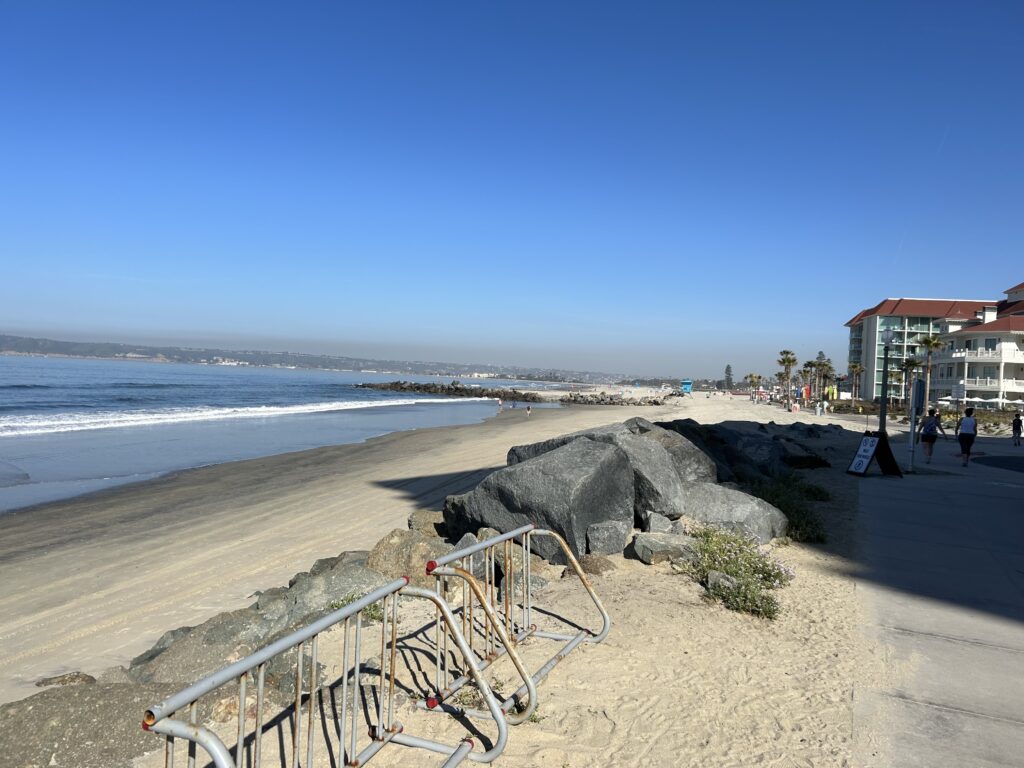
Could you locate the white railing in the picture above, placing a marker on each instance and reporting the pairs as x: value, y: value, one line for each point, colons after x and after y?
x: 1009, y: 354
x: 994, y: 383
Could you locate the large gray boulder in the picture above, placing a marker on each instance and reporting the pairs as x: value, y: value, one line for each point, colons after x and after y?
x: 652, y: 522
x: 608, y: 537
x: 520, y: 453
x: 692, y: 464
x: 654, y: 548
x: 565, y: 490
x: 658, y: 486
x: 735, y: 510
x: 707, y: 442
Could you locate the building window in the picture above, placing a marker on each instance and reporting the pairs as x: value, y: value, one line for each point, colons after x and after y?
x: 990, y: 371
x: 990, y: 344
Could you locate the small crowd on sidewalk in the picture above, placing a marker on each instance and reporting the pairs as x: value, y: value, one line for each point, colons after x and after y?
x: 966, y: 432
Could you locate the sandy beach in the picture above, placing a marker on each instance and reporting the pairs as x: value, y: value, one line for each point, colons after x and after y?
x: 92, y: 582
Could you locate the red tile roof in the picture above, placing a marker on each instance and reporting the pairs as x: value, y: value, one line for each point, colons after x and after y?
x: 1012, y: 323
x: 1019, y: 287
x: 922, y: 308
x: 1011, y: 308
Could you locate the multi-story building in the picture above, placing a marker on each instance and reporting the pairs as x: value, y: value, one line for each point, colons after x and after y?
x: 983, y: 345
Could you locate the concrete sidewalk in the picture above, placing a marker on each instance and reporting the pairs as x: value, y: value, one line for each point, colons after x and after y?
x: 942, y: 581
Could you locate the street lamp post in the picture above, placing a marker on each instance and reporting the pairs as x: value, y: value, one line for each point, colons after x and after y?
x: 887, y: 337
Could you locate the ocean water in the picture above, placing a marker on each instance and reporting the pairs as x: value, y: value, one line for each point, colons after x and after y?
x: 71, y: 426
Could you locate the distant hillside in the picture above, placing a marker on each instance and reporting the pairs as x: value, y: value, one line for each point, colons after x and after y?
x: 98, y: 349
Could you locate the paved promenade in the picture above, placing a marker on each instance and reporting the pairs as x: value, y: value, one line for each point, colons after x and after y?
x: 942, y: 581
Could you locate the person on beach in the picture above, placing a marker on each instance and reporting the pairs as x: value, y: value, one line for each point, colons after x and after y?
x: 1015, y: 426
x: 928, y: 432
x: 966, y: 431
x: 528, y: 411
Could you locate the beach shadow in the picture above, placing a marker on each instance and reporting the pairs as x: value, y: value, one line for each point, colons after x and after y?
x: 429, y: 491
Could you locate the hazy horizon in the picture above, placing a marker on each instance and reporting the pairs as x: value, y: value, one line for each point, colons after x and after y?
x: 356, y: 350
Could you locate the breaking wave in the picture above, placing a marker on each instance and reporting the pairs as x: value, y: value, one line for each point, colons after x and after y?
x: 44, y: 424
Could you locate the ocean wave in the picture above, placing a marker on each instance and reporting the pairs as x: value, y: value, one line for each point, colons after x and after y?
x: 40, y: 424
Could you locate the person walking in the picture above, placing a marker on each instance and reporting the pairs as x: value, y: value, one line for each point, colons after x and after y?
x: 928, y: 431
x: 1015, y: 426
x: 966, y: 431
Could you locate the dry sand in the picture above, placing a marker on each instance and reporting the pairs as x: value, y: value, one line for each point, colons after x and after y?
x: 89, y: 583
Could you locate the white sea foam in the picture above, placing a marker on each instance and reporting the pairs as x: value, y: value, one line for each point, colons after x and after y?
x: 40, y: 424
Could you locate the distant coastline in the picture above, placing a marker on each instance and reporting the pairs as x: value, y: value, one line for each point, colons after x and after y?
x: 31, y: 346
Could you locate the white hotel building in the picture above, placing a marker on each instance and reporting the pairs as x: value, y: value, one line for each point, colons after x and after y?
x: 983, y: 346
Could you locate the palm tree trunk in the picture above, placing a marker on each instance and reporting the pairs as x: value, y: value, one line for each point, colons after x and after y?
x: 928, y: 382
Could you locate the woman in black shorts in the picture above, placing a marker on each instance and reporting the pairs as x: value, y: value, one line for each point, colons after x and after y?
x: 929, y: 430
x: 966, y: 431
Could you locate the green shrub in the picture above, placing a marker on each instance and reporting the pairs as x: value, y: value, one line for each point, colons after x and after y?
x: 756, y: 573
x: 747, y: 597
x: 373, y: 613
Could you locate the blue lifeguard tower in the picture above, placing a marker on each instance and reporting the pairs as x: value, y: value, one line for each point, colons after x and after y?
x: 686, y: 386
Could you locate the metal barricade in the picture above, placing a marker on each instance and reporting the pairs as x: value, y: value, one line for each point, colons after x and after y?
x: 371, y: 706
x: 504, y: 624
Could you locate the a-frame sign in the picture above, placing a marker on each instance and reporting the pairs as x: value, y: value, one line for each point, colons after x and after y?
x: 874, y: 445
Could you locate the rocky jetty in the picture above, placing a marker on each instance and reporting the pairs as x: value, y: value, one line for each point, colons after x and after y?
x: 603, y: 398
x: 455, y: 389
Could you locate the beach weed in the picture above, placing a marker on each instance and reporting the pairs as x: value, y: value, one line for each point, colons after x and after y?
x: 754, y: 571
x: 373, y: 613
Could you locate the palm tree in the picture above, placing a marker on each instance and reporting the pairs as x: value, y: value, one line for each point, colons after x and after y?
x: 907, y: 367
x: 787, y: 361
x: 930, y: 343
x: 856, y: 369
x: 753, y: 380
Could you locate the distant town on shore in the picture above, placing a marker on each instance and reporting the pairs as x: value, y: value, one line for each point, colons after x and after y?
x: 24, y: 345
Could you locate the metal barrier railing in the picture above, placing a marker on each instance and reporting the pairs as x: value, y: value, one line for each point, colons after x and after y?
x: 504, y: 624
x: 372, y: 706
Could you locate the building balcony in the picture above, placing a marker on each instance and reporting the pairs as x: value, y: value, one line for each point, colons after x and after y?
x: 1006, y: 385
x: 1012, y: 355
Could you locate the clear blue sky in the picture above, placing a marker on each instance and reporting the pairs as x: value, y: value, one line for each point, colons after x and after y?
x: 657, y: 188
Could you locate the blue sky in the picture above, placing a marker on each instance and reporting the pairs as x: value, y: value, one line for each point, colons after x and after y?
x: 655, y: 188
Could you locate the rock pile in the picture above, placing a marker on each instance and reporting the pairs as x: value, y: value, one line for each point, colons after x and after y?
x: 581, y: 398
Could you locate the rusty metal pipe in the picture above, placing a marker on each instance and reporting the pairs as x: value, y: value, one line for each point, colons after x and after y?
x: 485, y: 690
x: 506, y: 643
x: 458, y: 554
x: 606, y: 622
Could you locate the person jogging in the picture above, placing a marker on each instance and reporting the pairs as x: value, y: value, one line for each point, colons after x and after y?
x: 928, y: 431
x: 966, y: 431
